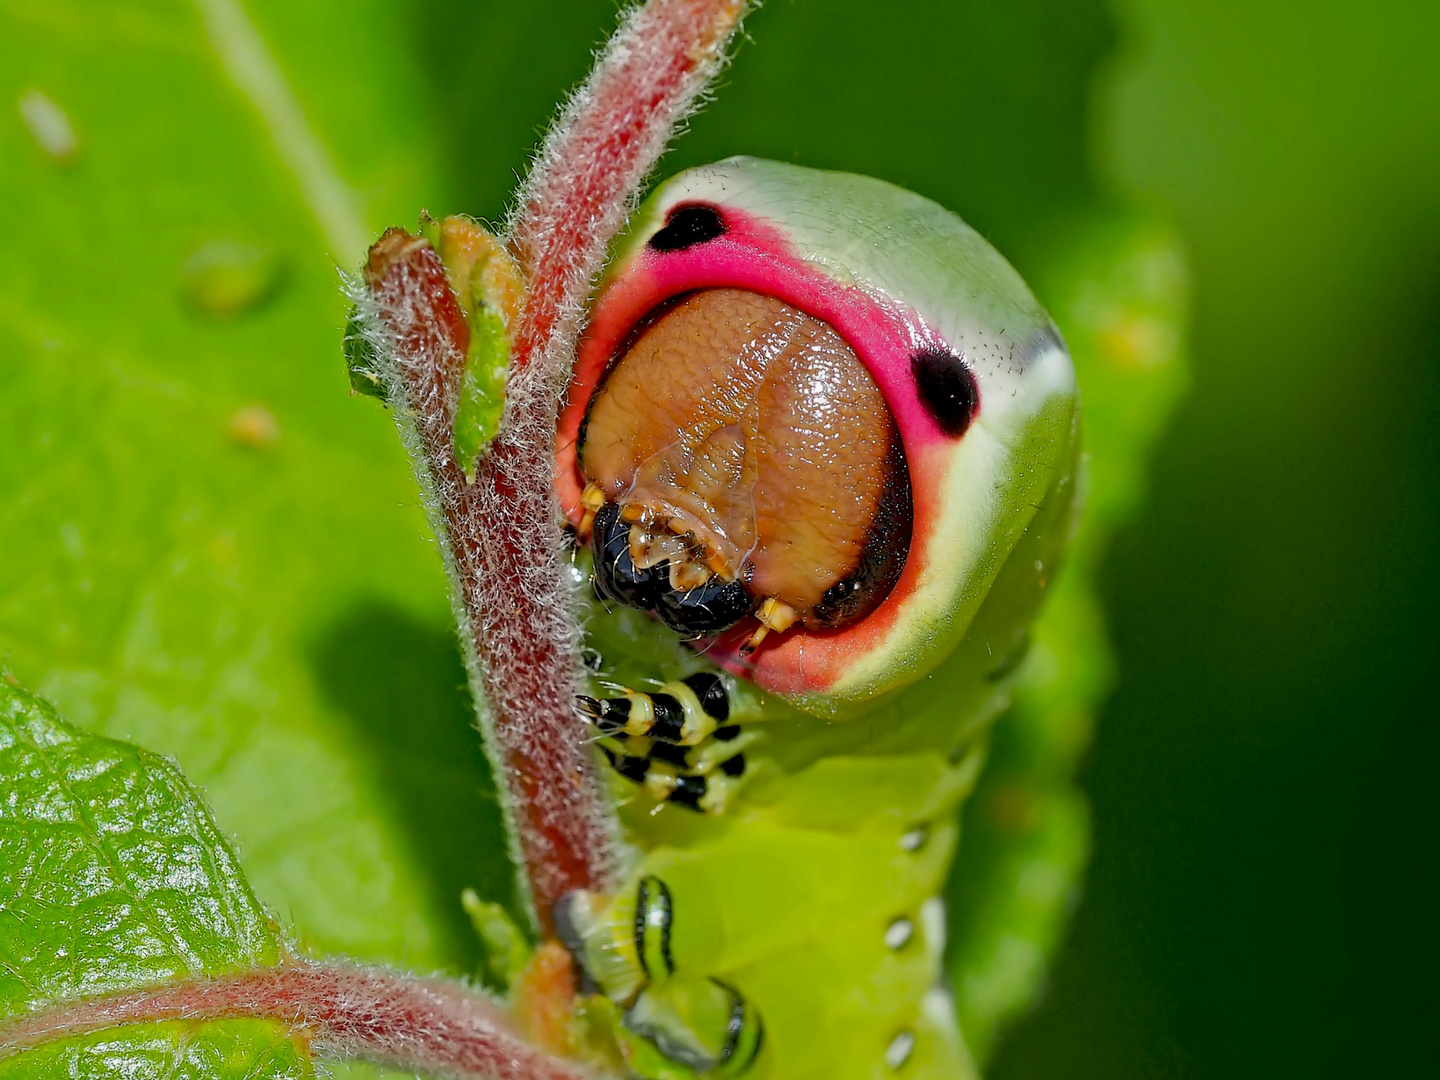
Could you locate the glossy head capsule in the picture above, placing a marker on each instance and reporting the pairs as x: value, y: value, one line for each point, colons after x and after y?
x: 757, y: 459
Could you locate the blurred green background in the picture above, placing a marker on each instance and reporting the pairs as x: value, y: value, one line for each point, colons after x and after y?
x: 1263, y: 890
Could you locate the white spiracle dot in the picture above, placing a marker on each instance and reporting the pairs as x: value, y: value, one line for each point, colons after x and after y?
x: 898, y: 1052
x: 914, y: 839
x: 898, y: 933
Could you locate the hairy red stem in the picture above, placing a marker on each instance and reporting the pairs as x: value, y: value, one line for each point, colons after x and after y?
x: 607, y: 140
x: 504, y: 555
x: 435, y: 1027
x: 503, y: 529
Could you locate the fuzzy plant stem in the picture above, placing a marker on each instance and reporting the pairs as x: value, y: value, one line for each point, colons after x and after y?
x: 434, y: 1027
x: 515, y: 600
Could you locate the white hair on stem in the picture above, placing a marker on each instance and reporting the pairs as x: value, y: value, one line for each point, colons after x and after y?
x: 514, y: 601
x: 343, y: 1011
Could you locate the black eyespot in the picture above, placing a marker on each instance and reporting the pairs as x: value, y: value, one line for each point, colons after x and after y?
x: 686, y: 226
x: 947, y: 388
x: 728, y: 733
x: 711, y: 693
x: 733, y: 766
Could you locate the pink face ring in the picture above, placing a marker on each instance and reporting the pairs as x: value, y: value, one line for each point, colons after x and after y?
x: 720, y: 409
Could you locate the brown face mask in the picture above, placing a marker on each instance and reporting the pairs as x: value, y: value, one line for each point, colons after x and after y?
x: 740, y: 452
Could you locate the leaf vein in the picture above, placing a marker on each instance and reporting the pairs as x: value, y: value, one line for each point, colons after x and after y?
x: 255, y: 72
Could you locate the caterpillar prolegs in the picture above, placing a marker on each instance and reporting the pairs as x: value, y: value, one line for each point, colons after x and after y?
x: 817, y: 456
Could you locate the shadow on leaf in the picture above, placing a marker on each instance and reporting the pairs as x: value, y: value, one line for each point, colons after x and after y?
x: 401, y: 684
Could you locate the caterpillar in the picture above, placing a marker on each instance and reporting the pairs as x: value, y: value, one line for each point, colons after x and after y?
x: 818, y: 459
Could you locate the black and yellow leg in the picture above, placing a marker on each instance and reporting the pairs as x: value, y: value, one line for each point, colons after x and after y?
x: 682, y: 712
x: 701, y: 760
x: 703, y: 777
x: 708, y: 793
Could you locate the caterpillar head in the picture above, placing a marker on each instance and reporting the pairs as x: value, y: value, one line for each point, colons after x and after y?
x: 812, y: 419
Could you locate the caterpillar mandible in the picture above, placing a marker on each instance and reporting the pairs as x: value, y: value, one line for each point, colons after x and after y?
x: 821, y: 432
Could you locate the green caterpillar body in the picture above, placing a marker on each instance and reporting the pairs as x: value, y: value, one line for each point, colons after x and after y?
x: 793, y: 808
x: 816, y: 893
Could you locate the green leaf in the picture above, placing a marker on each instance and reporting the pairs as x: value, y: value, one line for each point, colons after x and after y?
x: 113, y: 876
x: 206, y: 544
x: 113, y: 873
x: 223, y: 1050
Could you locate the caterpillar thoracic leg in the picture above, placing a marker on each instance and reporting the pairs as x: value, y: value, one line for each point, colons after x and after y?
x: 709, y: 792
x: 674, y: 743
x: 684, y: 711
x: 715, y: 752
